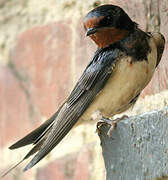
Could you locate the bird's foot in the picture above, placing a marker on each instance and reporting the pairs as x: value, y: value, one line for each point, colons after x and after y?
x: 112, y: 123
x: 100, y: 123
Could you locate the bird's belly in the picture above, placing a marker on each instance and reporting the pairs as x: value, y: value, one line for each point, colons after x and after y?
x: 125, y: 83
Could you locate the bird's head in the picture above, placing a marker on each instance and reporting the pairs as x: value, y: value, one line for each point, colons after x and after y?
x: 107, y: 24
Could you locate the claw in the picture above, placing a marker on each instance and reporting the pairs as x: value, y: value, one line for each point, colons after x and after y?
x: 112, y: 123
x: 100, y: 123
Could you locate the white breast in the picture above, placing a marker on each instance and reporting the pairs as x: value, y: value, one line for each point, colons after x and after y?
x: 127, y: 80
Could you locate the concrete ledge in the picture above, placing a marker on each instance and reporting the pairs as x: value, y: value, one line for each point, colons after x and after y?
x: 138, y: 149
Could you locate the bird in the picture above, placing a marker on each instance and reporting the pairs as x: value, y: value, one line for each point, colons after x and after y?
x: 122, y: 66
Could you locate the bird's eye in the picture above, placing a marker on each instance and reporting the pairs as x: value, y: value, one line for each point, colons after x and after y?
x: 106, y: 21
x: 108, y: 17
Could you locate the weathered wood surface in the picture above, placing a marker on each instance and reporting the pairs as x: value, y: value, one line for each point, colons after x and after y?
x: 138, y: 149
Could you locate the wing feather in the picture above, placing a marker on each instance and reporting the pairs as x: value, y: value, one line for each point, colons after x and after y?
x: 89, y: 85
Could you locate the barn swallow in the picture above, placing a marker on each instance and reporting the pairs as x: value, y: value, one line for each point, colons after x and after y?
x: 120, y: 69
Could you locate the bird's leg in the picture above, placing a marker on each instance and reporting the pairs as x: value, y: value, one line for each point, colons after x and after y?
x: 112, y: 123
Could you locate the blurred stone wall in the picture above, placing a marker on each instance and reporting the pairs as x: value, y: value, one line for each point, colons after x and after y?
x: 43, y: 51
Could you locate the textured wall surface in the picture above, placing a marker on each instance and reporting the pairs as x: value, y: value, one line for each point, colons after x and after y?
x: 138, y: 147
x: 43, y: 51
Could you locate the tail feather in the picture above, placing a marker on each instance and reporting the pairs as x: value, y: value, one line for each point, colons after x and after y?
x: 7, y: 172
x: 44, y: 133
x: 35, y: 149
x: 65, y: 121
x: 36, y: 135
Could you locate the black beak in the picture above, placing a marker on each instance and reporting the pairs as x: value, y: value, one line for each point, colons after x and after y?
x: 91, y: 31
